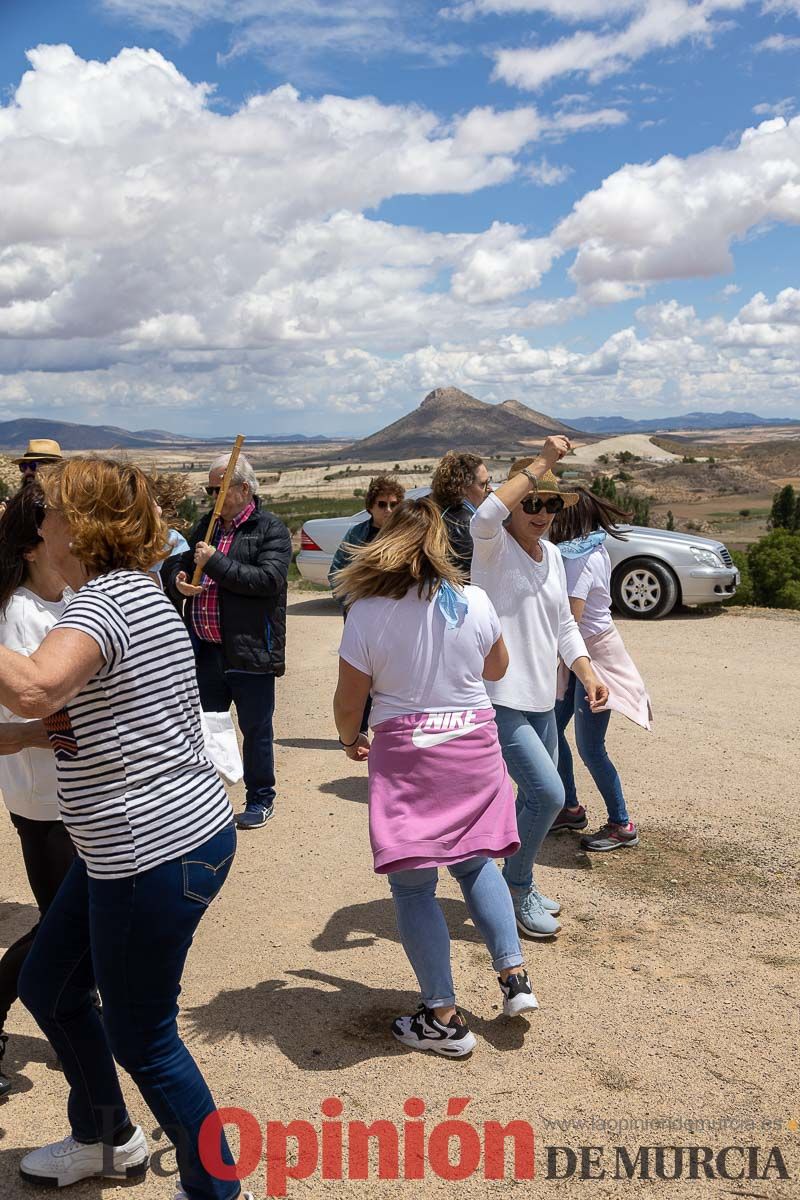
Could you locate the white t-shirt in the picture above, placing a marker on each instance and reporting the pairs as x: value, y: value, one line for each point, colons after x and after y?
x: 135, y: 785
x: 589, y: 579
x: 28, y: 779
x: 416, y: 661
x: 531, y: 601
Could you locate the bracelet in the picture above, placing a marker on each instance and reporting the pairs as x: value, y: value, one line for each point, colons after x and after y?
x: 347, y: 745
x: 529, y: 475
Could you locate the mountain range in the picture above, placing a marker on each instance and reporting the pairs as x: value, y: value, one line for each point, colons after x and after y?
x: 692, y: 420
x: 15, y: 435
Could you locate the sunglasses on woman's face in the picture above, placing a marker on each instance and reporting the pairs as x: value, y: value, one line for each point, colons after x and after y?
x: 390, y: 504
x: 30, y: 465
x: 553, y: 504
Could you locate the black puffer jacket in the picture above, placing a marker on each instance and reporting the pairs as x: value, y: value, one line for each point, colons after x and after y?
x: 457, y: 519
x: 252, y: 590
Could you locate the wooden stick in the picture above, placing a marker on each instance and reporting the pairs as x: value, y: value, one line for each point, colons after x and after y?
x: 223, y: 491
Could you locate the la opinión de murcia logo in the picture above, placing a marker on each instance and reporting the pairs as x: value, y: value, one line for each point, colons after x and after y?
x: 415, y: 1148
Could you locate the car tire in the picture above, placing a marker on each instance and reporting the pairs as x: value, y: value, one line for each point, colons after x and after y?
x: 644, y: 588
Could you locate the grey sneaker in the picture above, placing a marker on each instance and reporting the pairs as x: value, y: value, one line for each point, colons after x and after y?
x: 612, y: 837
x: 551, y: 906
x: 533, y: 919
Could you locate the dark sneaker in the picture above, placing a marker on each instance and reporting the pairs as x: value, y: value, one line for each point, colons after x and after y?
x: 423, y: 1031
x: 518, y: 995
x: 254, y: 816
x: 5, y: 1083
x: 612, y: 837
x: 570, y: 818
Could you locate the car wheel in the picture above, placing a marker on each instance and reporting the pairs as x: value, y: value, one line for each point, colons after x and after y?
x: 644, y: 588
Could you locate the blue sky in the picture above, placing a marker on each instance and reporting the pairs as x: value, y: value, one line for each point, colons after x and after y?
x: 303, y: 215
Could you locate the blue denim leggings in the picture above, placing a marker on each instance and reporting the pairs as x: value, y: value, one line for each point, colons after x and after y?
x: 590, y: 738
x: 423, y: 929
x: 529, y: 741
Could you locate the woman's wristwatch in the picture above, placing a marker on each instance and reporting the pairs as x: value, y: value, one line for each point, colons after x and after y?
x: 533, y: 480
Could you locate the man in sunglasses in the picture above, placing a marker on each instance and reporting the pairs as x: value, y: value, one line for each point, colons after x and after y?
x: 41, y: 452
x: 460, y: 484
x: 237, y: 621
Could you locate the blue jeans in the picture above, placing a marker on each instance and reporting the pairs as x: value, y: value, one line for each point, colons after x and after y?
x: 423, y: 929
x: 132, y: 936
x: 590, y: 738
x: 529, y: 741
x: 253, y: 694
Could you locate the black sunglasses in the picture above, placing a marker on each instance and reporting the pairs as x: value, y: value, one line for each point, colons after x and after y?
x: 553, y: 504
x: 30, y: 464
x: 212, y: 491
x: 387, y: 503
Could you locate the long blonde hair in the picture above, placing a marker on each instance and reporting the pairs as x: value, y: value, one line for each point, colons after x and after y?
x: 411, y: 550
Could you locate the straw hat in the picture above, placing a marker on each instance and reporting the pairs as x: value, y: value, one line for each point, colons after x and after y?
x: 549, y: 484
x: 43, y: 450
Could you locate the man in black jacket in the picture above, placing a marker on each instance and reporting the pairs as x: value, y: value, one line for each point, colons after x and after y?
x: 237, y: 622
x: 459, y: 486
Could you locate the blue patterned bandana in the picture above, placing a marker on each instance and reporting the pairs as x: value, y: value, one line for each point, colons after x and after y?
x: 452, y: 604
x: 580, y: 546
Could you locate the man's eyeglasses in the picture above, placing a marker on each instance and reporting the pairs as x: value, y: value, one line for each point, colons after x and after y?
x: 487, y: 484
x: 553, y: 504
x: 390, y: 504
x: 212, y: 490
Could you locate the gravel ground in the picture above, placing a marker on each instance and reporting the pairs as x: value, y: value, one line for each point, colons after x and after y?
x: 671, y: 994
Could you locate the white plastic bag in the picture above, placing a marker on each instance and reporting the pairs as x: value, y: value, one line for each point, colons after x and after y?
x: 221, y: 745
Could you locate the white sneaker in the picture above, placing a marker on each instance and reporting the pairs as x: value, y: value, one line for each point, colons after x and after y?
x: 63, y: 1163
x: 518, y: 994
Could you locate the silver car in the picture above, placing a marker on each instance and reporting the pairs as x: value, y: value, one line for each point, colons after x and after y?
x: 653, y: 569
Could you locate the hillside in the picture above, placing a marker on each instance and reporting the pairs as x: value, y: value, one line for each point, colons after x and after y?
x: 449, y: 419
x: 15, y: 435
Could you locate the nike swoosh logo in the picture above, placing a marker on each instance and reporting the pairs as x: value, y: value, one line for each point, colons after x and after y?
x: 423, y: 741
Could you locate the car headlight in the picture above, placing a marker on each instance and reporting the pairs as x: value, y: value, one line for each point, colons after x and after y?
x: 707, y: 557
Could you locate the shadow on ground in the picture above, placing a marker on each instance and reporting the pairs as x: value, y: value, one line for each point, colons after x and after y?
x: 353, y: 787
x: 308, y: 743
x: 20, y: 1051
x: 315, y: 606
x: 363, y: 924
x: 325, y: 1028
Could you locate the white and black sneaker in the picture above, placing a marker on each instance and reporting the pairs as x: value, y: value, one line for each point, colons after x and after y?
x: 518, y: 997
x: 63, y: 1163
x: 423, y: 1031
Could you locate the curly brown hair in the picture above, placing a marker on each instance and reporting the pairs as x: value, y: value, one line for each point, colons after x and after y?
x: 383, y: 485
x: 452, y: 477
x: 111, y: 511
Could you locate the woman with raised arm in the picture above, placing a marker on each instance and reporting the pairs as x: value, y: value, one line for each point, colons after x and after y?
x: 580, y: 533
x: 524, y: 578
x: 31, y: 601
x: 439, y: 793
x: 115, y: 683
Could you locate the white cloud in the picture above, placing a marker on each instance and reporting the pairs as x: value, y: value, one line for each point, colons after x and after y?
x: 730, y: 289
x: 655, y: 25
x: 781, y: 108
x: 546, y: 174
x: 779, y: 43
x: 296, y: 37
x: 563, y: 10
x: 676, y: 218
x: 782, y: 7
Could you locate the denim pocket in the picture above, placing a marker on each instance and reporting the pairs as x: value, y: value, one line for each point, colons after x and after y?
x: 204, y: 873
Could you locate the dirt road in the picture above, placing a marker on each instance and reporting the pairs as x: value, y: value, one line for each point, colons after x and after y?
x: 671, y: 995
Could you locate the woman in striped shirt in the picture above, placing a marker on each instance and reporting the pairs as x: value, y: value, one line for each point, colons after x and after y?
x: 115, y: 683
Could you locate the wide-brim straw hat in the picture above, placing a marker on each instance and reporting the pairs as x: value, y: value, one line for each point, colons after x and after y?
x: 41, y: 450
x: 549, y: 484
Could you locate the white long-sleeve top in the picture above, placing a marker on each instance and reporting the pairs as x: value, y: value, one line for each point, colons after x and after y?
x: 532, y: 603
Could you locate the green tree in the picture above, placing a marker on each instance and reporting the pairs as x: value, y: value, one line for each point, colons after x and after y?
x: 774, y: 563
x: 784, y: 509
x: 744, y: 592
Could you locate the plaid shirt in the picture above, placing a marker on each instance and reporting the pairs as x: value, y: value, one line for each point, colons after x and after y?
x: 205, y: 607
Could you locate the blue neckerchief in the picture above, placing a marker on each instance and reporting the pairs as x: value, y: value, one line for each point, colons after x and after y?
x: 452, y: 604
x: 580, y: 546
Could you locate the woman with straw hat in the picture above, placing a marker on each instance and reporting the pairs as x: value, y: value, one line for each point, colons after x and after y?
x: 524, y: 577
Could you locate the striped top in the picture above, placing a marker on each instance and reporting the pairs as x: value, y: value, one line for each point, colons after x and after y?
x: 135, y: 786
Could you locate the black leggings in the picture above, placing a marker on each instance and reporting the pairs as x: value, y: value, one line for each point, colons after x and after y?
x: 48, y: 854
